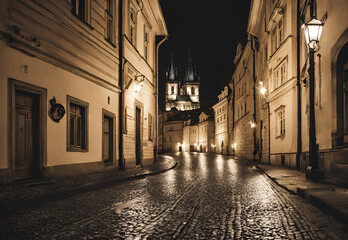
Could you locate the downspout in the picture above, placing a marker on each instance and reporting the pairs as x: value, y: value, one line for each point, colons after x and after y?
x: 156, y: 98
x: 254, y: 90
x: 298, y: 84
x: 120, y: 81
x: 269, y: 133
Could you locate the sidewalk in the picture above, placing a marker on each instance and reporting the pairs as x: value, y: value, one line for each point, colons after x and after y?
x: 16, y: 197
x: 328, y: 197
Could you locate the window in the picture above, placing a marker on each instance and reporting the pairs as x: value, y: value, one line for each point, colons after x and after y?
x: 280, y: 128
x: 279, y: 75
x: 172, y: 89
x: 132, y: 26
x: 280, y: 31
x: 146, y: 43
x: 192, y: 91
x: 150, y: 127
x: 274, y: 40
x: 77, y: 124
x: 109, y: 30
x: 79, y: 8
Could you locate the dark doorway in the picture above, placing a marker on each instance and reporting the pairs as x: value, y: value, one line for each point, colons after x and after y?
x: 222, y: 147
x: 27, y: 159
x: 138, y: 136
x: 201, y: 148
x: 180, y: 149
x: 108, y: 139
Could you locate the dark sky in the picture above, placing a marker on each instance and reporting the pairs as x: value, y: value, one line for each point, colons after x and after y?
x: 210, y: 30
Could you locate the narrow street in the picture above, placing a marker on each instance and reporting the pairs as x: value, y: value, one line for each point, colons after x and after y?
x: 204, y: 197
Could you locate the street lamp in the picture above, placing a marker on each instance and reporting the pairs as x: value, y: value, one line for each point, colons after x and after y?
x: 312, y: 30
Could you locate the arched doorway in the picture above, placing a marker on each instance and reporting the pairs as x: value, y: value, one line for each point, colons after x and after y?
x: 342, y: 96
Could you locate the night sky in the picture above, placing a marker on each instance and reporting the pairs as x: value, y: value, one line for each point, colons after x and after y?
x: 210, y: 30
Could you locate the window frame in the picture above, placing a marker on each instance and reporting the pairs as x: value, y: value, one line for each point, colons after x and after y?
x: 75, y: 10
x: 146, y: 43
x: 109, y: 16
x: 280, y: 122
x: 132, y: 25
x: 150, y: 127
x: 85, y: 105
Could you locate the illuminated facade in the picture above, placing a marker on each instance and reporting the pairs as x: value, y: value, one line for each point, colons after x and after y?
x: 221, y: 122
x: 273, y: 31
x: 60, y: 86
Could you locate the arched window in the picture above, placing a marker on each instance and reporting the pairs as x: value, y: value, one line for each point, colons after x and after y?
x: 172, y: 89
x: 192, y: 91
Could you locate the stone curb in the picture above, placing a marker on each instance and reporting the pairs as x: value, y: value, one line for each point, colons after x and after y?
x: 22, y: 205
x: 316, y: 201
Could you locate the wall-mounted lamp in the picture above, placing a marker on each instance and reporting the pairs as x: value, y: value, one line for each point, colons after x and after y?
x: 313, y: 30
x: 139, y: 79
x: 262, y: 88
x: 252, y: 124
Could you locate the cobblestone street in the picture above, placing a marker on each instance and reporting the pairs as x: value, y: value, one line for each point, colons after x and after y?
x: 204, y: 197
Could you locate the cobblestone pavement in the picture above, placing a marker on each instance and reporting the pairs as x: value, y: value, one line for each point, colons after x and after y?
x: 204, y: 197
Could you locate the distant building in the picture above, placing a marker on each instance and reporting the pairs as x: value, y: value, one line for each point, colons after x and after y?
x: 182, y: 95
x: 221, y: 122
x: 206, y: 131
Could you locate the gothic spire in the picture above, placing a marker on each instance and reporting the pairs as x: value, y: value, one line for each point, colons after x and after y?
x: 191, y: 75
x: 172, y: 73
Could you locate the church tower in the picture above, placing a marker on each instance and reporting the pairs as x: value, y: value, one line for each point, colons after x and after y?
x: 191, y: 84
x: 183, y: 95
x: 172, y: 84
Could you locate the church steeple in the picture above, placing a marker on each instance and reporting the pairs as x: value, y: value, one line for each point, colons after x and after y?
x: 191, y: 75
x: 172, y: 73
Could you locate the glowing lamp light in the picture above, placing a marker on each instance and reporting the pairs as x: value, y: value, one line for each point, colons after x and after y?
x: 235, y: 145
x: 138, y: 87
x: 313, y: 30
x: 263, y: 90
x: 252, y: 124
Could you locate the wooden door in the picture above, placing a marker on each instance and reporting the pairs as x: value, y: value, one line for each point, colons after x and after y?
x: 107, y: 139
x: 138, y: 136
x: 27, y: 163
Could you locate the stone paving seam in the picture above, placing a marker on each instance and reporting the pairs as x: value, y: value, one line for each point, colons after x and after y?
x: 19, y: 206
x: 316, y: 201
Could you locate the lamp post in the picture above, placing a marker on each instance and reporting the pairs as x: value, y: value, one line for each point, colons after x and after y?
x: 312, y: 30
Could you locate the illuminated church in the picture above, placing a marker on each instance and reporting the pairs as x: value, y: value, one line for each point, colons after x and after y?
x: 183, y: 95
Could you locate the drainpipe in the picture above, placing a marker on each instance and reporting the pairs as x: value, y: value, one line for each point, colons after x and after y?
x: 254, y: 93
x: 298, y: 84
x: 120, y: 81
x: 156, y: 98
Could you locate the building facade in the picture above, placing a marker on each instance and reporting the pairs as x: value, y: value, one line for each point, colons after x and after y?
x: 60, y: 87
x: 143, y: 21
x: 206, y: 131
x: 282, y: 70
x: 221, y: 122
x: 183, y: 95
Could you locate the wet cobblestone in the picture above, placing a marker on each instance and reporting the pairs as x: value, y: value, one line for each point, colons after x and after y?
x: 205, y: 197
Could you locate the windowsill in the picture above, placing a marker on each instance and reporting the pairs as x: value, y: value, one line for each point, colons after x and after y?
x: 111, y: 43
x: 70, y: 149
x: 84, y: 21
x: 280, y: 136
